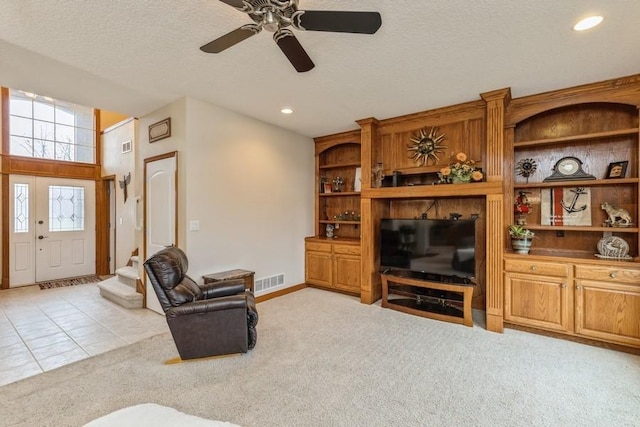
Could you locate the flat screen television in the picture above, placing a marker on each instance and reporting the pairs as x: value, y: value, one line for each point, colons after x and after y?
x: 429, y: 249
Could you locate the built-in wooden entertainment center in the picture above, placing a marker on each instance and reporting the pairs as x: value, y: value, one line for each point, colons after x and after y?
x: 561, y: 287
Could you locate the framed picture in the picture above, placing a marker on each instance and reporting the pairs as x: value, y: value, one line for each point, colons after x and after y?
x: 327, y: 187
x: 160, y: 130
x: 617, y: 170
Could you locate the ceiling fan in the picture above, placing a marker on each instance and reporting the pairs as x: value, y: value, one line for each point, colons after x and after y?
x: 277, y: 15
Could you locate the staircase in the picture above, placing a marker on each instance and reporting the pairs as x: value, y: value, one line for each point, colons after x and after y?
x: 121, y: 288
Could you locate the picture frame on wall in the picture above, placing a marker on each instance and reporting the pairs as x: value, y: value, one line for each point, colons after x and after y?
x: 617, y: 170
x: 160, y: 130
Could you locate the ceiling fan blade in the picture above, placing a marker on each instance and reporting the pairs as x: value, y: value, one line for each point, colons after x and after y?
x: 292, y: 48
x: 337, y: 21
x: 234, y: 3
x: 230, y: 39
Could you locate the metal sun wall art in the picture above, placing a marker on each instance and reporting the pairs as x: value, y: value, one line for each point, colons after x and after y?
x: 526, y: 168
x: 426, y: 145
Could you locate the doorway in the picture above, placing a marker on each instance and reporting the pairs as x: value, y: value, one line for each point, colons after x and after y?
x: 52, y: 229
x: 160, y: 207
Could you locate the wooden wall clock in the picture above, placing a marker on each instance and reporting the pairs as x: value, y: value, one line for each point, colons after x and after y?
x: 568, y: 169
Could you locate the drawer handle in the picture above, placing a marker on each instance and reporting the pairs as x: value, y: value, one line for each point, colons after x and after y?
x: 613, y: 275
x: 534, y: 268
x: 578, y: 287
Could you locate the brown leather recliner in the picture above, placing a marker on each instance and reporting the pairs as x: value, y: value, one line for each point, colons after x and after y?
x: 205, y: 320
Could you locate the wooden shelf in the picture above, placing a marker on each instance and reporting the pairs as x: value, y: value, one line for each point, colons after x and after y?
x: 581, y: 183
x: 340, y: 194
x: 419, y: 170
x: 583, y: 228
x: 328, y: 221
x: 573, y: 138
x: 583, y: 257
x: 340, y: 165
x: 429, y: 191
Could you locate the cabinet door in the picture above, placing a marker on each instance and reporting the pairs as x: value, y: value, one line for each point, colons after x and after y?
x: 346, y: 273
x: 540, y: 301
x: 318, y: 268
x: 608, y: 311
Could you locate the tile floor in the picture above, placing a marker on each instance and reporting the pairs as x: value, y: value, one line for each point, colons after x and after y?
x: 42, y: 330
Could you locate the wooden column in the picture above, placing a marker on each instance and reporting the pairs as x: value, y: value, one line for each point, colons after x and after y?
x: 497, y: 102
x: 370, y: 285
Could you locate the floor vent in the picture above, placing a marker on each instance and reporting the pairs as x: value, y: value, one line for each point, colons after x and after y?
x: 269, y: 282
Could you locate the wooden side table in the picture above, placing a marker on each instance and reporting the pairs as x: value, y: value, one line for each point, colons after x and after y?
x: 231, y: 275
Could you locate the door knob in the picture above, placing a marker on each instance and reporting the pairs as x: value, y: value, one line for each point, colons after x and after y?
x: 42, y: 237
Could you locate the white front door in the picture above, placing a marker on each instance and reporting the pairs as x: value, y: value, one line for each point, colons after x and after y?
x: 52, y: 232
x: 161, y: 210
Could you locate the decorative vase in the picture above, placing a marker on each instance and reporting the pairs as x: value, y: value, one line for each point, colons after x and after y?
x: 458, y: 180
x: 521, y: 219
x: 521, y: 246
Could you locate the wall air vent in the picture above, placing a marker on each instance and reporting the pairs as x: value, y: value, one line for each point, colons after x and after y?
x: 269, y: 282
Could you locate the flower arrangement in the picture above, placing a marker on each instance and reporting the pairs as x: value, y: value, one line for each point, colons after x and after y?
x: 461, y: 169
x: 521, y: 208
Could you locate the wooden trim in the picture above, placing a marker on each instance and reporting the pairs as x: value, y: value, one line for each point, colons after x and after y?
x: 5, y: 231
x: 282, y: 292
x: 623, y: 90
x: 98, y: 139
x: 102, y: 224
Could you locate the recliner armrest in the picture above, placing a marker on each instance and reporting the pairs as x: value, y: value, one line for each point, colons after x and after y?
x: 204, y: 306
x: 221, y: 289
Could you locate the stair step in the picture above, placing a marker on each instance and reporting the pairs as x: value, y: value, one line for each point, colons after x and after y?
x: 123, y: 295
x: 128, y: 275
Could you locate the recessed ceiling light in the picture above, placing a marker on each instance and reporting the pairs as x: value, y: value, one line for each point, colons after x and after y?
x: 286, y: 111
x: 587, y: 23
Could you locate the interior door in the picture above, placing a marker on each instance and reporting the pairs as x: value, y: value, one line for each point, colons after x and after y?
x: 64, y: 228
x: 160, y: 212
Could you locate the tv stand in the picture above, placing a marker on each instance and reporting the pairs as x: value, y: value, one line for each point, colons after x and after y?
x: 450, y: 302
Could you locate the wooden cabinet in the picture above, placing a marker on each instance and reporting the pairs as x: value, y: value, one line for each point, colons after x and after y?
x: 318, y: 263
x: 573, y: 297
x: 608, y: 303
x: 334, y: 262
x: 538, y: 293
x: 333, y: 265
x: 563, y: 285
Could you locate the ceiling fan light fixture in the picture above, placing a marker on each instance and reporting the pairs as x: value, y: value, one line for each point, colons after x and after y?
x: 587, y: 23
x: 270, y: 21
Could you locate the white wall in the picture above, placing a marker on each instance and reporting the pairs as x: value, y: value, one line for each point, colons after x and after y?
x: 248, y: 183
x: 114, y: 162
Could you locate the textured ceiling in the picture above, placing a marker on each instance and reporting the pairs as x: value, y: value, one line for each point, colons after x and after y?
x: 135, y: 56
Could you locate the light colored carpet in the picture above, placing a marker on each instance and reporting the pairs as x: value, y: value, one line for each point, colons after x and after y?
x: 324, y: 359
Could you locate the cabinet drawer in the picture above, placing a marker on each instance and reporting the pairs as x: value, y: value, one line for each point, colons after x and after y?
x: 318, y: 247
x: 346, y: 249
x: 536, y: 267
x: 609, y: 274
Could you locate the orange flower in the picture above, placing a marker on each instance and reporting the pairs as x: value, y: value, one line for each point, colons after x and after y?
x: 461, y: 157
x: 446, y: 171
x: 476, y: 176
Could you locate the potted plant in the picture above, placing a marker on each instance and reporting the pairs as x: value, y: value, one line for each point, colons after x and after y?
x: 521, y: 238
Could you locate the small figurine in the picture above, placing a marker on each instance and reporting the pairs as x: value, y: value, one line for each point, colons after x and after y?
x: 329, y: 231
x: 617, y: 217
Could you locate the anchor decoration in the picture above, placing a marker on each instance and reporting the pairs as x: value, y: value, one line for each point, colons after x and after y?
x: 571, y: 208
x: 562, y: 206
